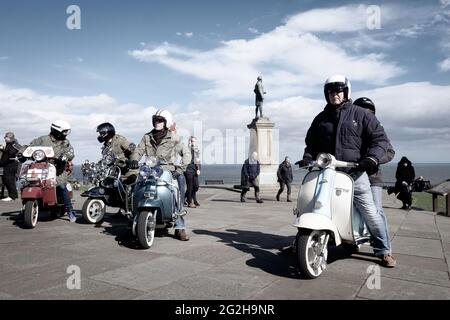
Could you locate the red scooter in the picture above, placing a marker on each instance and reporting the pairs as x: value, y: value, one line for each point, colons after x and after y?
x: 38, y: 185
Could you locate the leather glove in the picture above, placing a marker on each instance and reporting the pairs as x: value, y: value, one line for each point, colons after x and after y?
x: 134, y: 164
x: 368, y: 165
x: 305, y: 162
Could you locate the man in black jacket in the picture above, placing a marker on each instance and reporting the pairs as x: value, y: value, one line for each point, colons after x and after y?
x: 285, y: 177
x: 10, y: 165
x: 351, y: 134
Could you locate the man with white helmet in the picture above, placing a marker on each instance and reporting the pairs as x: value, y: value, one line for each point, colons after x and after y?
x: 57, y: 139
x: 351, y: 134
x: 164, y: 144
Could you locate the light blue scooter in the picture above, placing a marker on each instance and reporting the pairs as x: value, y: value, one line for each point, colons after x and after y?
x: 325, y: 210
x: 155, y: 201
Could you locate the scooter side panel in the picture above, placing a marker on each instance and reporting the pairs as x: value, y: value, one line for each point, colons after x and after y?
x: 49, y: 197
x: 305, y: 200
x: 31, y: 193
x: 342, y: 205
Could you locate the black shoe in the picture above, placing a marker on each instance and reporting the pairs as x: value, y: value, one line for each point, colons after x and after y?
x: 278, y: 197
x: 259, y: 201
x: 197, y: 204
x: 243, y: 199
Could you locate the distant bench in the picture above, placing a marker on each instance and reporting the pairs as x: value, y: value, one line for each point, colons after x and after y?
x: 443, y: 190
x: 209, y: 182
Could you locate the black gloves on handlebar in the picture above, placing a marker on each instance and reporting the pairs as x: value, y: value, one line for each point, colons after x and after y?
x: 305, y: 162
x: 368, y: 165
x: 134, y: 164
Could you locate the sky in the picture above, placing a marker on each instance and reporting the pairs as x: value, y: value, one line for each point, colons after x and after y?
x: 200, y: 60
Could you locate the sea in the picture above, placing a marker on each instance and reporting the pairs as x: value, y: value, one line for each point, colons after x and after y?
x: 231, y: 174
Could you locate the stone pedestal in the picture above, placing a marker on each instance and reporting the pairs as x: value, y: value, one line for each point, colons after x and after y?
x: 262, y: 141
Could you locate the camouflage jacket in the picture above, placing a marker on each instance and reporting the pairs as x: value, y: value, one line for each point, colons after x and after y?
x: 122, y: 149
x: 169, y: 151
x: 62, y: 148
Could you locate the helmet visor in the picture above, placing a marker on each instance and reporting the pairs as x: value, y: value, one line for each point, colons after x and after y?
x: 335, y: 87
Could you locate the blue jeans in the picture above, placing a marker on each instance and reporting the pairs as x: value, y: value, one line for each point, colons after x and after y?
x: 363, y: 201
x: 179, y: 222
x: 65, y: 194
x: 377, y: 193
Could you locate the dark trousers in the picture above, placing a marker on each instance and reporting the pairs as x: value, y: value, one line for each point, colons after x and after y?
x: 245, y: 190
x: 404, y: 193
x: 282, y: 184
x: 192, y: 186
x: 9, y: 180
x: 62, y: 190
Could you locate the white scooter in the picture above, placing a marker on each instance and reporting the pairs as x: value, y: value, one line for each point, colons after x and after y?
x: 325, y: 209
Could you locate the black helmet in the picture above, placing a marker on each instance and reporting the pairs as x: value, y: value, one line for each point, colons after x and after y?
x: 105, y: 132
x: 365, y: 103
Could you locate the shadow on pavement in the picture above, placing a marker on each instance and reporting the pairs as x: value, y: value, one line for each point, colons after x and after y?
x: 17, y: 217
x: 120, y: 228
x: 258, y: 244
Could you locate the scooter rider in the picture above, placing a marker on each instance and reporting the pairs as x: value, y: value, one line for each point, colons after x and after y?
x: 165, y: 144
x: 120, y: 147
x: 376, y: 181
x: 353, y: 135
x: 57, y: 139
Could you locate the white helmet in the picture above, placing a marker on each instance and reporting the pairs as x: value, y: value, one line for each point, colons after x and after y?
x: 337, y: 83
x: 166, y: 117
x: 60, y: 129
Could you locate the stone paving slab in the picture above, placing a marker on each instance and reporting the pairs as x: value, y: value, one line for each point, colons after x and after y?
x: 89, y: 290
x: 394, y: 289
x: 201, y: 287
x: 417, y: 246
x: 153, y: 274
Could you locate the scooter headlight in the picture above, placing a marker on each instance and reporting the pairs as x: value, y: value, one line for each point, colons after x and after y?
x: 150, y: 194
x: 38, y: 155
x: 324, y: 160
x: 145, y: 171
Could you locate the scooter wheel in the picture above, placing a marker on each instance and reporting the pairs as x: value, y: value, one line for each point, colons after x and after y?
x: 31, y: 214
x: 93, y: 210
x: 145, y: 228
x: 311, y: 253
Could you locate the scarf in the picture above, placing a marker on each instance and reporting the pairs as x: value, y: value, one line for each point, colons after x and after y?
x: 159, y: 135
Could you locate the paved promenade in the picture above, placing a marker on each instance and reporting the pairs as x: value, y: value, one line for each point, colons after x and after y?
x: 235, y: 252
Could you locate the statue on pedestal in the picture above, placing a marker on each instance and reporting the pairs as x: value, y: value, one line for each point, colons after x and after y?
x: 259, y: 97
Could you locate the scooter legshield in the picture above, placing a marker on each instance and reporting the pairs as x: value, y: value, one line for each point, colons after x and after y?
x: 316, y: 221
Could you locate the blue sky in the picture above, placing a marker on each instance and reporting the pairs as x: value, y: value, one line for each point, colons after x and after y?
x: 200, y: 60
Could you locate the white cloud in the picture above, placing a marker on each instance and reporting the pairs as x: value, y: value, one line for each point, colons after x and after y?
x: 80, y: 59
x: 445, y: 3
x: 253, y: 30
x: 411, y: 32
x: 417, y: 112
x: 444, y: 65
x: 232, y: 67
x: 34, y: 112
x: 3, y: 58
x: 341, y: 19
x: 185, y: 34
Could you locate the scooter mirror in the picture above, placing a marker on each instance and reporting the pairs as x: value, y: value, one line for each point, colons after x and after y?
x: 151, y: 161
x: 324, y: 160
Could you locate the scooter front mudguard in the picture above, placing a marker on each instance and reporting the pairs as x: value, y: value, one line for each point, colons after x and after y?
x: 315, y: 221
x: 31, y: 193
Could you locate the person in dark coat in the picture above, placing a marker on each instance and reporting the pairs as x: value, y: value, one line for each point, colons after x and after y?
x: 404, y: 175
x: 352, y: 134
x: 10, y: 165
x: 192, y: 173
x: 376, y: 179
x: 285, y: 177
x: 249, y: 177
